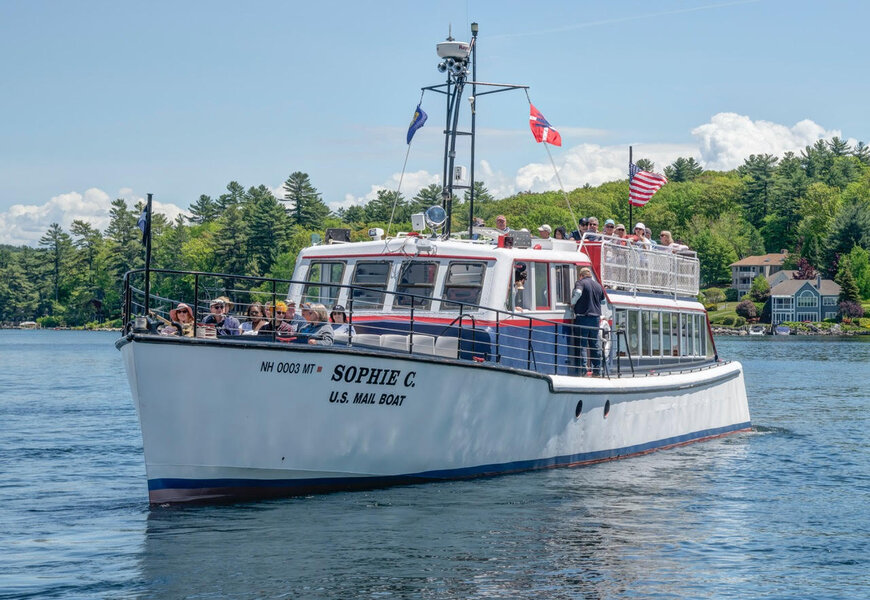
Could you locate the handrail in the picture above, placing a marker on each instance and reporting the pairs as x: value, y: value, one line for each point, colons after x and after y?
x: 515, y: 344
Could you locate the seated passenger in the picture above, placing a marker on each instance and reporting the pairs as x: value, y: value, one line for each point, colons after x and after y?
x: 182, y: 318
x: 317, y: 331
x: 619, y: 231
x: 256, y: 319
x: 218, y: 318
x: 583, y: 227
x: 519, y: 299
x: 609, y: 227
x: 544, y: 232
x: 560, y: 233
x: 340, y: 326
x: 639, y: 237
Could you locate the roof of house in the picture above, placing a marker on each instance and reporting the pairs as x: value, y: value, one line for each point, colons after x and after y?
x: 760, y: 261
x: 782, y: 275
x: 790, y: 286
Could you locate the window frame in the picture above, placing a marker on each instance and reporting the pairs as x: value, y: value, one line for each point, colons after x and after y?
x: 402, y: 289
x: 331, y: 301
x: 384, y: 286
x: 446, y: 303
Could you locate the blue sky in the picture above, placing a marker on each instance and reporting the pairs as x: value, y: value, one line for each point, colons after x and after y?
x: 101, y: 100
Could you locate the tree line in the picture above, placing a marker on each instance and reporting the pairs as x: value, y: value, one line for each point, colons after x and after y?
x: 815, y: 204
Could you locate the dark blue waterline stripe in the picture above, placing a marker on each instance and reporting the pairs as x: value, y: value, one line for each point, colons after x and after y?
x: 463, y: 473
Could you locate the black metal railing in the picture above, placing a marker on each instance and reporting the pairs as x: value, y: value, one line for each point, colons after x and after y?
x: 470, y: 332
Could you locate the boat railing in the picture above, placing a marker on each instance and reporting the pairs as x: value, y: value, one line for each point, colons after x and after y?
x: 468, y: 332
x: 625, y: 265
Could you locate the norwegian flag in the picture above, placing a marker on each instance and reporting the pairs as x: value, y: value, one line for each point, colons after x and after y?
x: 541, y: 128
x: 642, y: 185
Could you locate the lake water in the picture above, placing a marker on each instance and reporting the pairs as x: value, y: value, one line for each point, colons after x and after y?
x: 781, y: 512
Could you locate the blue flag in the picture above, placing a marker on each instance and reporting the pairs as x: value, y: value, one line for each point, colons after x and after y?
x: 417, y: 122
x: 142, y: 224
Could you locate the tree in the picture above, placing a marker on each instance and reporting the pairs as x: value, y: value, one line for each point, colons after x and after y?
x: 58, y: 243
x: 850, y: 228
x: 839, y: 147
x: 848, y: 288
x: 850, y: 310
x: 381, y: 207
x: 645, y: 164
x: 805, y: 270
x: 746, y: 309
x: 859, y: 264
x: 204, y: 210
x: 268, y: 227
x: 683, y: 169
x: 426, y: 197
x: 760, y: 289
x: 780, y: 224
x: 306, y: 208
x: 481, y: 194
x: 234, y: 197
x: 757, y: 172
x: 862, y: 153
x: 715, y: 256
x: 818, y: 208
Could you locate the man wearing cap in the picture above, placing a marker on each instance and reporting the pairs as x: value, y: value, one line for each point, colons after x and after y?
x: 586, y: 301
x: 501, y: 225
x: 583, y: 225
x: 218, y: 318
x: 609, y: 227
x: 639, y: 236
x: 544, y: 231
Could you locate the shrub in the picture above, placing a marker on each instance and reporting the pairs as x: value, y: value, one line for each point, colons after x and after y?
x: 731, y: 295
x: 711, y: 307
x: 747, y: 309
x: 848, y: 310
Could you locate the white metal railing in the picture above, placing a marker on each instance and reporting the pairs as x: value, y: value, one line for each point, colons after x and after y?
x: 628, y: 266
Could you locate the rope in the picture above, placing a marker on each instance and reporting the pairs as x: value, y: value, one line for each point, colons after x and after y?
x: 558, y: 178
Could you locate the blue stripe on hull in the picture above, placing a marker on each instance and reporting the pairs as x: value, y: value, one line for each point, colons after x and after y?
x: 210, y: 490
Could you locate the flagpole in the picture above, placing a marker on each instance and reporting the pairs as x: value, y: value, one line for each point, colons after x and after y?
x: 630, y: 161
x: 147, y: 254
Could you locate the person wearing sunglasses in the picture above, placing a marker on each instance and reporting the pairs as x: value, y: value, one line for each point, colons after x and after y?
x: 218, y: 317
x: 256, y: 319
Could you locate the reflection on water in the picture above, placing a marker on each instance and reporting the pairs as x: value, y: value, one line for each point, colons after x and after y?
x: 779, y: 512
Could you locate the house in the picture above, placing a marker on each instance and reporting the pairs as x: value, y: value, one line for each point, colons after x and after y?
x: 746, y: 269
x: 804, y: 300
x: 780, y: 276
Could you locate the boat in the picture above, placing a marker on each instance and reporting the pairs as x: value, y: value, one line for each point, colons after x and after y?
x: 441, y: 375
x: 757, y: 329
x: 782, y: 330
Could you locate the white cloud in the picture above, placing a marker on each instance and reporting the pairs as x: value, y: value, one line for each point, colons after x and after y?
x: 25, y: 224
x: 730, y: 138
x: 411, y: 183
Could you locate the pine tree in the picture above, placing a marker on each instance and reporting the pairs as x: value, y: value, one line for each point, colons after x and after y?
x: 268, y: 228
x: 426, y: 197
x: 304, y: 204
x: 381, y: 208
x: 645, y: 164
x: 234, y: 197
x: 204, y: 210
x: 758, y: 172
x: 848, y: 288
x: 683, y: 169
x: 58, y: 243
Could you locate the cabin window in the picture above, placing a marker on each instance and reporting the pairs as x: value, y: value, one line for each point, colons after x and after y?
x: 655, y: 330
x: 520, y: 299
x: 323, y: 273
x: 373, y: 276
x: 620, y: 320
x: 542, y: 285
x: 684, y: 335
x: 666, y: 334
x: 464, y: 283
x: 417, y: 278
x: 699, y: 348
x: 634, y: 332
x: 564, y: 284
x: 646, y: 349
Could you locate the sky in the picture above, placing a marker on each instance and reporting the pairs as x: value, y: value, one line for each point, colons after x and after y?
x: 105, y: 100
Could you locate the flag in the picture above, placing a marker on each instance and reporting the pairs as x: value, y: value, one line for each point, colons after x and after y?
x: 642, y: 185
x: 417, y: 122
x: 541, y: 128
x: 143, y: 224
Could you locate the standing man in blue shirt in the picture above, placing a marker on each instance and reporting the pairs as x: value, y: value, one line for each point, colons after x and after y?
x: 586, y: 300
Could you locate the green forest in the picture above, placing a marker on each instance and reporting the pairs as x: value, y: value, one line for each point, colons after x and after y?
x: 815, y: 204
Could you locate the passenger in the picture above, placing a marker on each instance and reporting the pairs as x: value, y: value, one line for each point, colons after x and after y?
x: 609, y: 227
x: 592, y: 231
x: 544, y: 232
x: 520, y: 276
x: 223, y: 323
x: 560, y: 233
x: 666, y: 240
x: 317, y: 331
x: 256, y: 319
x: 340, y: 326
x: 619, y: 231
x: 182, y: 317
x: 292, y: 318
x: 501, y: 225
x: 639, y: 238
x: 583, y: 226
x: 276, y: 322
x: 586, y: 301
x: 649, y: 236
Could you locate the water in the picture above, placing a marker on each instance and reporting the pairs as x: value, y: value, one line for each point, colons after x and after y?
x: 780, y: 513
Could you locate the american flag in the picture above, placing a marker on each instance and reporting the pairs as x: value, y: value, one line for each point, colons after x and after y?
x: 642, y: 185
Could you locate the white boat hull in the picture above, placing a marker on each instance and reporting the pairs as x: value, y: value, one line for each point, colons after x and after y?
x: 225, y: 421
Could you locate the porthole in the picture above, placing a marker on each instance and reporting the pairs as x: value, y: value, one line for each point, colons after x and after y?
x: 579, y: 409
x: 606, y: 408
